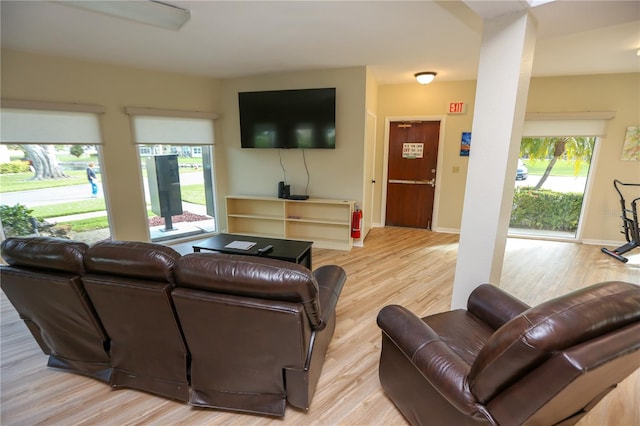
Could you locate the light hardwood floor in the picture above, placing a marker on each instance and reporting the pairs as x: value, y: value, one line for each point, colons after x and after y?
x: 413, y: 268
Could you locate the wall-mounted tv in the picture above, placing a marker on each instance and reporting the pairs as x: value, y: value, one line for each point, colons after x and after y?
x: 304, y: 118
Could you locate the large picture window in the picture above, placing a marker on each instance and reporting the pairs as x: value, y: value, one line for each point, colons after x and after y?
x: 556, y: 157
x: 48, y: 152
x: 176, y: 162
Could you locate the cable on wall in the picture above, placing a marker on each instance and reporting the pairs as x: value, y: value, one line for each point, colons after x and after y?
x: 304, y: 160
x: 284, y: 172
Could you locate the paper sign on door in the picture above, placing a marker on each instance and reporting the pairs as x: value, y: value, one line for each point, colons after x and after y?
x: 412, y: 150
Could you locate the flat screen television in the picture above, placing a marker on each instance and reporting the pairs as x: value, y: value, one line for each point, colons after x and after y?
x: 304, y: 118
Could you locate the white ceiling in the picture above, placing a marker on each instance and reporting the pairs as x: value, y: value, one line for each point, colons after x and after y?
x: 395, y: 39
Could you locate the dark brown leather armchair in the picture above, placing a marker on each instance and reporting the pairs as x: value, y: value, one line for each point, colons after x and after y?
x: 502, y: 363
x: 130, y: 285
x: 42, y: 282
x: 257, y: 329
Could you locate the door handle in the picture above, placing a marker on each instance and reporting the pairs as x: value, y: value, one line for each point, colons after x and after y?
x: 431, y: 182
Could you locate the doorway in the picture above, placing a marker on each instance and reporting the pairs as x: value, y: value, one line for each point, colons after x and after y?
x: 411, y: 173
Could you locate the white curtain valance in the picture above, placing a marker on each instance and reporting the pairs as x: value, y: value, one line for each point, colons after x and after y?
x: 51, y: 106
x: 566, y: 124
x: 153, y: 126
x: 38, y: 126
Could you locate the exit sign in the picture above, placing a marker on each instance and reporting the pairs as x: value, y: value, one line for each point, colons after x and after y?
x: 457, y: 108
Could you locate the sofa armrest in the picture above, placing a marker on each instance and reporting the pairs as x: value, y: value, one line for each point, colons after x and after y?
x: 432, y: 357
x: 494, y: 306
x: 331, y: 279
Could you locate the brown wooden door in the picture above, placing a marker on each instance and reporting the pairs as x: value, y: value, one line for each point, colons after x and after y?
x: 411, y: 179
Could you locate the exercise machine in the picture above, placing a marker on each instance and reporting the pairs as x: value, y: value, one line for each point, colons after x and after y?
x: 629, y: 222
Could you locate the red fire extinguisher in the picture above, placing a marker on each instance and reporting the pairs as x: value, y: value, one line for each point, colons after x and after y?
x: 356, y: 222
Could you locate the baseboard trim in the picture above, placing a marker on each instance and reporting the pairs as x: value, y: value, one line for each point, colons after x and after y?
x: 447, y: 230
x: 604, y: 243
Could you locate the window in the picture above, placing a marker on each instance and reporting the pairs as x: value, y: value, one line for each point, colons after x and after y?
x: 145, y: 151
x: 45, y: 155
x: 176, y: 161
x: 553, y: 171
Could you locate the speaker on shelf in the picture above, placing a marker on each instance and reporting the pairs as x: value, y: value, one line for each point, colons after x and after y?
x: 284, y: 191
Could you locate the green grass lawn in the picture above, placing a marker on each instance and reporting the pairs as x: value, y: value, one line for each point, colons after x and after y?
x: 561, y: 168
x: 193, y: 194
x: 90, y: 224
x: 24, y: 182
x: 64, y: 209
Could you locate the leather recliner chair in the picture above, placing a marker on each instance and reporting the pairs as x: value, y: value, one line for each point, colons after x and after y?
x: 258, y: 329
x: 501, y: 362
x: 130, y: 285
x: 42, y: 282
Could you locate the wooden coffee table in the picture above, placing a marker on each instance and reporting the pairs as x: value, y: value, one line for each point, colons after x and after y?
x: 288, y: 250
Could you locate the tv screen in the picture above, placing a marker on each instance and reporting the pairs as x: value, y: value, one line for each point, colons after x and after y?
x: 304, y: 118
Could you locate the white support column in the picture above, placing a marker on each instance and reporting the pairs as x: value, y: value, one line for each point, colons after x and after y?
x: 506, y: 58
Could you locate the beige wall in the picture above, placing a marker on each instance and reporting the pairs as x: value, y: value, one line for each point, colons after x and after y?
x: 43, y: 78
x: 618, y: 93
x: 411, y: 100
x: 335, y: 173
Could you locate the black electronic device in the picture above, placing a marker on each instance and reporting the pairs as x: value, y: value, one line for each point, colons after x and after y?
x: 304, y: 118
x: 284, y: 191
x: 265, y: 249
x: 163, y: 174
x: 298, y: 197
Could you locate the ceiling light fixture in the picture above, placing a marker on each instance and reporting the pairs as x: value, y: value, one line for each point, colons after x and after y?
x: 149, y: 12
x: 425, y: 77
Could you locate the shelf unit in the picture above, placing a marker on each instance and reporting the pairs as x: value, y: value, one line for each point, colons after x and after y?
x: 325, y: 222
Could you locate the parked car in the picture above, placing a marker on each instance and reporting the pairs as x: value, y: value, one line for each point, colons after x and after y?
x: 522, y: 173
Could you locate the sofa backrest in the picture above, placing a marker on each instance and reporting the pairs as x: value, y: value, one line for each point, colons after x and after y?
x: 544, y: 331
x: 43, y: 282
x: 45, y: 253
x: 130, y: 284
x: 145, y: 261
x: 251, y: 277
x: 247, y: 320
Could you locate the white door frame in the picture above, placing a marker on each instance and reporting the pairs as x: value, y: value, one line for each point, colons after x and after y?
x: 369, y: 189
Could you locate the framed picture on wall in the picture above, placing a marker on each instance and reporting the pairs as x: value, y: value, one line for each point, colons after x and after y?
x: 465, y: 144
x: 631, y: 146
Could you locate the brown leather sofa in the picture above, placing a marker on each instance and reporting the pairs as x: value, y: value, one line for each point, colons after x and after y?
x: 258, y: 333
x: 232, y: 332
x: 42, y: 280
x: 500, y: 362
x: 130, y: 284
